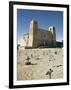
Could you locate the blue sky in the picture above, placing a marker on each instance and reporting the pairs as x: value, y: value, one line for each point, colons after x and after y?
x: 44, y: 19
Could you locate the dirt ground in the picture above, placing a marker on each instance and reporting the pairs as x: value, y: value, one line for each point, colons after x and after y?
x: 45, y: 63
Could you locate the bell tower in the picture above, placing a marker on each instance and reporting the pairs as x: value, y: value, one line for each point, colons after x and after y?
x: 33, y: 33
x: 53, y: 31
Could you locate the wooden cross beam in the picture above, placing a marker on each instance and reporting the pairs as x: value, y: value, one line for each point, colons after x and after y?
x: 49, y: 73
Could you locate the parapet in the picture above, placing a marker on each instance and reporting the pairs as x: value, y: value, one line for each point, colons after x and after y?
x: 34, y: 21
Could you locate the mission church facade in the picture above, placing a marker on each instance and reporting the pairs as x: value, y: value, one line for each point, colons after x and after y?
x: 38, y: 37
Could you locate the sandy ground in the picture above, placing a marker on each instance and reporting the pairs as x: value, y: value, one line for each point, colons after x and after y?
x: 42, y: 60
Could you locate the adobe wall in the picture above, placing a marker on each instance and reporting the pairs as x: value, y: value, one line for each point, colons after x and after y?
x: 44, y: 37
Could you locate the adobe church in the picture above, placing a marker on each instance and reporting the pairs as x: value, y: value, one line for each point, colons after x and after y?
x: 38, y: 37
